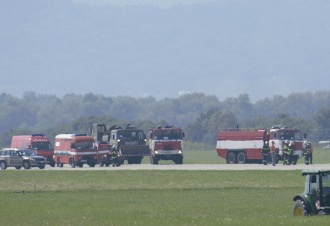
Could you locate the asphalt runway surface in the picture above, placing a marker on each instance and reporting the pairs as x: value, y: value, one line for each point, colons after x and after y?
x: 193, y: 167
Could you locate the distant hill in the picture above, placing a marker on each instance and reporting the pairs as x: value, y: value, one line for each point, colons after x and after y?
x: 259, y: 47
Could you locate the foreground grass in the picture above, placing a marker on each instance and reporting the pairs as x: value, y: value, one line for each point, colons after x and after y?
x: 151, y: 198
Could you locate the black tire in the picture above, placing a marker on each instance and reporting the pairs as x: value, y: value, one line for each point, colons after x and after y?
x: 241, y: 158
x: 26, y: 165
x: 231, y: 158
x: 154, y: 160
x: 41, y: 167
x: 178, y: 161
x: 300, y: 208
x: 18, y: 167
x: 3, y: 165
x: 52, y: 163
x: 92, y: 164
x: 130, y: 160
x: 138, y: 160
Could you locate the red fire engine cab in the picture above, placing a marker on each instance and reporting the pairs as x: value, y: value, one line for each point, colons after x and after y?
x: 75, y: 149
x: 165, y: 143
x: 244, y: 145
x: 38, y: 142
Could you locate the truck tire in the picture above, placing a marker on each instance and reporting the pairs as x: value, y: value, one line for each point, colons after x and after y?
x: 18, y: 167
x: 241, y: 158
x: 178, y: 161
x: 41, y: 167
x: 3, y: 165
x: 300, y: 208
x: 138, y: 160
x: 26, y: 165
x: 130, y: 160
x: 231, y: 158
x: 154, y: 160
x: 52, y: 163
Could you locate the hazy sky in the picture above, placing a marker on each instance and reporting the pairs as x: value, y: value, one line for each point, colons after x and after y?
x: 223, y: 47
x: 160, y: 3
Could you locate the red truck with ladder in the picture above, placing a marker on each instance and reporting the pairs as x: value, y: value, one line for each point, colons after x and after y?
x: 75, y: 149
x: 244, y: 145
x: 38, y: 142
x: 165, y: 143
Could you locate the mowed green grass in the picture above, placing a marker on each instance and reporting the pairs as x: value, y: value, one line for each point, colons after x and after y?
x: 146, y: 197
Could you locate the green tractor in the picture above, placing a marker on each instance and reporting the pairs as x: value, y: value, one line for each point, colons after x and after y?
x: 315, y: 200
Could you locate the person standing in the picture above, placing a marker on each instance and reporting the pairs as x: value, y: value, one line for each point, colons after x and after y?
x: 265, y: 152
x: 308, y: 153
x: 311, y: 153
x: 285, y: 153
x: 273, y: 153
x: 292, y: 158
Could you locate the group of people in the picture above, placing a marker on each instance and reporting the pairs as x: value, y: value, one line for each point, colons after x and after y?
x: 287, y: 153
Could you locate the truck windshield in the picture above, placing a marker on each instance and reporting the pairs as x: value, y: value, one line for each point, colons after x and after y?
x: 130, y: 134
x: 42, y: 146
x: 83, y: 145
x: 290, y: 135
x: 167, y: 134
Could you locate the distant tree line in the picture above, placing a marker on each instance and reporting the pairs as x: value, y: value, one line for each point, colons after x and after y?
x: 200, y: 115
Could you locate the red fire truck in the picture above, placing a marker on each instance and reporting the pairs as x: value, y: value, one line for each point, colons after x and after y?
x: 244, y: 145
x: 38, y: 142
x: 74, y: 149
x: 165, y: 143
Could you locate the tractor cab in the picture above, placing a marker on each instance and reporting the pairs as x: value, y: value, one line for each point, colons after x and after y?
x: 315, y: 200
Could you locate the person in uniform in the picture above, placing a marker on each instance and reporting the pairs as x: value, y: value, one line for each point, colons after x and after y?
x: 265, y: 152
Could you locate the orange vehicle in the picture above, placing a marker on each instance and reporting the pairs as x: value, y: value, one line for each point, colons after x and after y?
x: 75, y: 149
x: 38, y: 142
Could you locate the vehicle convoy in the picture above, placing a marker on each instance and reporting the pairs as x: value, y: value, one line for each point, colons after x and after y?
x: 38, y: 142
x: 129, y: 143
x: 20, y: 157
x: 244, y: 145
x: 75, y: 149
x: 165, y: 143
x: 315, y: 200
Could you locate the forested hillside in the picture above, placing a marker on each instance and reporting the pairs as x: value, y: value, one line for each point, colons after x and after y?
x: 199, y: 114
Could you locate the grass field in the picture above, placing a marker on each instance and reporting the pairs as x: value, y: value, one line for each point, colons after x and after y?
x: 151, y: 198
x: 125, y: 197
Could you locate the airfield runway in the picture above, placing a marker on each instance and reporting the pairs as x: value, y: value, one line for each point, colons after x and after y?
x: 196, y: 167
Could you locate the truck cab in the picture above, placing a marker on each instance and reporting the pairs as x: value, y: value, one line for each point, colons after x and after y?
x: 165, y: 143
x: 130, y: 143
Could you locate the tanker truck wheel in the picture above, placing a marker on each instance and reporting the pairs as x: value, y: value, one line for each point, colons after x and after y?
x: 241, y: 158
x: 231, y: 158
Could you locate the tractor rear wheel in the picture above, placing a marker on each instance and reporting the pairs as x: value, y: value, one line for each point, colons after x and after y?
x: 300, y: 208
